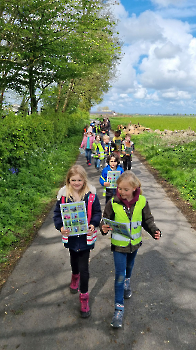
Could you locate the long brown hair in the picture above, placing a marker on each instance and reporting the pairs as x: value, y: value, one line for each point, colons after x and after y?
x: 77, y: 170
x: 131, y: 178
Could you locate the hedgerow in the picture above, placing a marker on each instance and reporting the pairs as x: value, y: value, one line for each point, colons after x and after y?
x: 35, y: 153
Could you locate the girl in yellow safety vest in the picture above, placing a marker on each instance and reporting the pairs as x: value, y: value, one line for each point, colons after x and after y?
x: 130, y: 208
x: 98, y: 152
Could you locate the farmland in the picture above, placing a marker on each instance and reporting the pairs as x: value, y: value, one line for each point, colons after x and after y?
x: 157, y: 122
x: 172, y: 155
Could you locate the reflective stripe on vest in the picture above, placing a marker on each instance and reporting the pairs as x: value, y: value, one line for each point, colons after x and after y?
x: 136, y: 223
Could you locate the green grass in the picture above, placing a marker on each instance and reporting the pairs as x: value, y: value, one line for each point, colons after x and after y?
x: 173, y: 157
x: 157, y: 122
x: 175, y: 162
x: 24, y: 196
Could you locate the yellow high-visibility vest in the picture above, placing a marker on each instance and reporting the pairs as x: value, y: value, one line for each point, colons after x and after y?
x: 101, y: 151
x: 135, y: 224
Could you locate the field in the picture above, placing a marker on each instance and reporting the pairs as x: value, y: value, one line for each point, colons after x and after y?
x: 172, y: 155
x: 157, y: 122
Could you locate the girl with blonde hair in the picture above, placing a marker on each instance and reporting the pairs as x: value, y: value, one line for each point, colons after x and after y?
x: 129, y: 207
x: 78, y: 189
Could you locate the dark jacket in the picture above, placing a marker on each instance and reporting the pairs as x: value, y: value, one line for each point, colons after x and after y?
x: 147, y: 222
x: 78, y: 243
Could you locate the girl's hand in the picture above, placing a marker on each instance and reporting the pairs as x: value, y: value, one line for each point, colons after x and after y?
x: 65, y: 232
x: 157, y: 235
x: 106, y: 228
x: 91, y: 228
x: 107, y: 184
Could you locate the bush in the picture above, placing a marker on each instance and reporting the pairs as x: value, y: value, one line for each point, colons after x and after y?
x: 35, y: 152
x: 25, y: 195
x: 21, y: 136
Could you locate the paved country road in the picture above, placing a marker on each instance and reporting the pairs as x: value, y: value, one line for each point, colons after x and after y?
x: 38, y: 312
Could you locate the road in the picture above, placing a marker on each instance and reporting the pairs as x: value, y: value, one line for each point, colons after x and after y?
x: 38, y: 311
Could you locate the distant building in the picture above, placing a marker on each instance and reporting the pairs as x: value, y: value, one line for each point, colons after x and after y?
x: 15, y: 108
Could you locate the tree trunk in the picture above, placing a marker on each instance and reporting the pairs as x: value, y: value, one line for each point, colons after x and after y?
x: 1, y: 99
x: 59, y: 96
x: 2, y: 93
x: 71, y: 84
x: 32, y: 91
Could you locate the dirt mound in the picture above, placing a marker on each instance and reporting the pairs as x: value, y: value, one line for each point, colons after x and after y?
x: 179, y: 136
x: 133, y: 129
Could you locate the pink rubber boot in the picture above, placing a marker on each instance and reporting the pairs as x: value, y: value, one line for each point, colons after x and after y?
x: 75, y: 279
x: 84, y: 305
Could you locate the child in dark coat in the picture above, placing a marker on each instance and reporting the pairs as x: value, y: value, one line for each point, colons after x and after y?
x: 78, y: 189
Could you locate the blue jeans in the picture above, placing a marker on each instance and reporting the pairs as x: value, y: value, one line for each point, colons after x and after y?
x: 123, y: 263
x: 97, y: 163
x: 88, y: 155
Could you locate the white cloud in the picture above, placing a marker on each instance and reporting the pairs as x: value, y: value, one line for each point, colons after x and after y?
x: 140, y: 92
x: 168, y: 50
x: 123, y: 95
x: 165, y: 3
x: 176, y: 95
x: 117, y: 9
x: 142, y: 28
x: 154, y: 96
x: 159, y: 61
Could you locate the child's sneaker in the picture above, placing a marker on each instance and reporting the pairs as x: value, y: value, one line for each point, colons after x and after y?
x: 127, y: 289
x: 117, y: 318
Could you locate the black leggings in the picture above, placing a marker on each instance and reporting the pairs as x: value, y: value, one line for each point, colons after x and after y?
x: 79, y: 264
x: 110, y: 192
x: 127, y: 162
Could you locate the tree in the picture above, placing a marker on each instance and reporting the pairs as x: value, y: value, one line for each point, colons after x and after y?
x: 34, y: 32
x: 53, y: 42
x: 97, y: 55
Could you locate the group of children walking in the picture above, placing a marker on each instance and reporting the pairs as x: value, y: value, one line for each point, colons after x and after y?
x: 99, y: 146
x: 124, y: 204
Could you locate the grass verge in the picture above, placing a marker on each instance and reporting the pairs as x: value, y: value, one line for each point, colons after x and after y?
x: 26, y: 197
x: 175, y: 162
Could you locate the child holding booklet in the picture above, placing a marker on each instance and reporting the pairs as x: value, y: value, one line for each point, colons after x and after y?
x: 131, y: 208
x: 78, y: 189
x: 113, y: 165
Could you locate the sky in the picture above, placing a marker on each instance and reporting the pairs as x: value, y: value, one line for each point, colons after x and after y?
x: 157, y: 72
